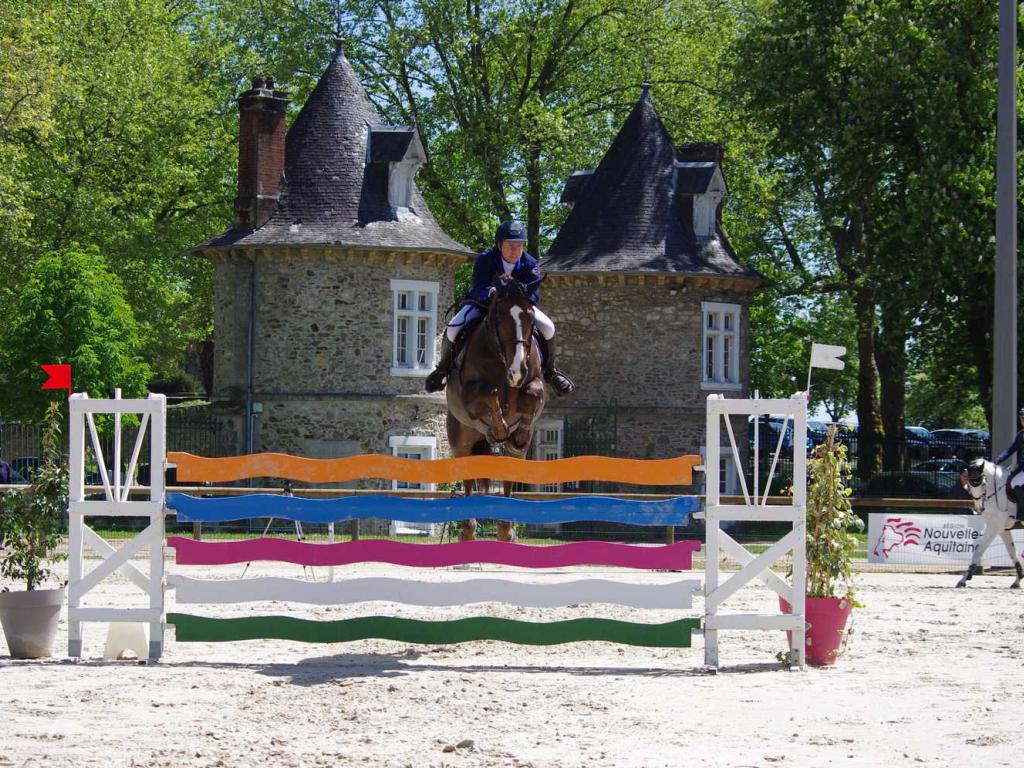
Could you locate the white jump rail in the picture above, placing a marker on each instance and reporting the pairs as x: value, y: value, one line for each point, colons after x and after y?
x: 117, y: 487
x: 719, y: 543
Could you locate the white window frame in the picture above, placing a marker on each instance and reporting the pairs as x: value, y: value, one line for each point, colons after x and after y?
x: 716, y: 339
x: 424, y: 445
x: 730, y: 485
x: 544, y: 450
x: 413, y: 315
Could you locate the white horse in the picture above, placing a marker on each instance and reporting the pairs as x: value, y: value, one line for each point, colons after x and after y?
x: 986, y: 482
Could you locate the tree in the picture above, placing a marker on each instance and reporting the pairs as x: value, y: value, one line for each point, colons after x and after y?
x: 132, y: 151
x: 71, y: 309
x: 882, y: 110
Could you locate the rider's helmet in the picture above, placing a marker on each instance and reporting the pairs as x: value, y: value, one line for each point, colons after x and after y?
x: 1020, y: 413
x: 510, y: 230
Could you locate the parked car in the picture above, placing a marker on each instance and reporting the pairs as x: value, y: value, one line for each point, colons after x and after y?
x: 769, y: 428
x: 817, y: 431
x: 25, y: 466
x: 17, y: 479
x: 966, y: 443
x: 941, y: 465
x: 937, y: 448
x: 915, y: 485
x: 918, y: 446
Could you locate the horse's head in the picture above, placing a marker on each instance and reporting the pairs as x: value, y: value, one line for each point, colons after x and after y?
x: 975, y: 473
x: 974, y: 479
x: 511, y: 320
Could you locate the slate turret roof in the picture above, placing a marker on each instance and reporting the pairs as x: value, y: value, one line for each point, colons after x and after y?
x: 627, y: 216
x: 331, y: 194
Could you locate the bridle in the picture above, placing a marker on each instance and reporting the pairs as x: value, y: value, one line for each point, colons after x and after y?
x: 494, y: 335
x: 982, y: 482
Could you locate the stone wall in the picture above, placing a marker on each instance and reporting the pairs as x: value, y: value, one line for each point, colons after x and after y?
x: 322, y: 349
x: 633, y: 345
x: 324, y: 320
x: 638, y: 342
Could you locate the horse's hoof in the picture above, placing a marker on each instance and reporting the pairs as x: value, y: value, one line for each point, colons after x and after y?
x: 961, y: 584
x: 1015, y: 586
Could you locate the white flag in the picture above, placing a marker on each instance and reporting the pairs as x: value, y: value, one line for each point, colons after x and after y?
x: 828, y: 356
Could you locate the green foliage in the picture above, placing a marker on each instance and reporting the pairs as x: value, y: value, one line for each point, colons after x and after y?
x: 31, y: 521
x: 71, y: 310
x: 830, y: 518
x: 130, y: 147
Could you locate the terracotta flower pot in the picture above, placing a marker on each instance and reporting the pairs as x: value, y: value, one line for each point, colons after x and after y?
x: 30, y: 619
x: 826, y: 625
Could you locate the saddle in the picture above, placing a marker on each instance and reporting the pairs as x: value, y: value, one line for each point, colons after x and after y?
x: 462, y: 342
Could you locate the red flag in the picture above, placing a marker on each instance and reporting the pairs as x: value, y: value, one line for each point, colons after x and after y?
x: 60, y: 376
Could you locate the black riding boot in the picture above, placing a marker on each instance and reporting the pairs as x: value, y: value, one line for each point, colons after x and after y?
x: 561, y: 383
x: 438, y: 377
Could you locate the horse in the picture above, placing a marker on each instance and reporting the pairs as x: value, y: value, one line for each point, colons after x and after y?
x: 986, y: 482
x: 495, y: 392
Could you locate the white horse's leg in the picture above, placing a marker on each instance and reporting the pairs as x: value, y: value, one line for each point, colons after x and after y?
x: 994, y: 522
x: 1007, y: 537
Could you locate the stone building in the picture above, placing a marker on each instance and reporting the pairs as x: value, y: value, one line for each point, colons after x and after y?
x: 650, y: 300
x: 331, y: 282
x: 330, y: 287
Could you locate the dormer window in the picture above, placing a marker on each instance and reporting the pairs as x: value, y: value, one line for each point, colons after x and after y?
x: 700, y: 187
x: 398, y: 148
x: 576, y: 186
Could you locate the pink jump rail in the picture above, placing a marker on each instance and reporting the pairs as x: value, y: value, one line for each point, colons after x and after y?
x: 678, y: 556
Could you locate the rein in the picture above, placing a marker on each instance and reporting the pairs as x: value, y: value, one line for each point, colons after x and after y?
x: 494, y: 338
x: 979, y: 501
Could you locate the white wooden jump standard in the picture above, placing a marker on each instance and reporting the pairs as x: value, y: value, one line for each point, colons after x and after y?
x: 719, y: 543
x: 116, y: 503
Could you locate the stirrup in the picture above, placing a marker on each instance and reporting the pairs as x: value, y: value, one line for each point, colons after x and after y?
x: 559, y: 382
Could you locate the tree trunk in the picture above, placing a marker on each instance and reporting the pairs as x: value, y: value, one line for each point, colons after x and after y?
x: 533, y: 193
x: 869, y: 449
x: 979, y: 332
x: 891, y: 357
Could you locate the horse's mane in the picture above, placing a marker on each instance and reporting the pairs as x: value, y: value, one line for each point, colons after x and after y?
x: 510, y: 289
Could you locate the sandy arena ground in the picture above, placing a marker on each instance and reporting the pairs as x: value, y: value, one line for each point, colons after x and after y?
x: 932, y: 677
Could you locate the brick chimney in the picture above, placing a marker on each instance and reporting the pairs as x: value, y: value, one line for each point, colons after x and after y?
x: 260, y: 152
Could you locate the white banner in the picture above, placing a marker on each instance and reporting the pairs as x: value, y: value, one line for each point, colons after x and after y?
x: 932, y: 540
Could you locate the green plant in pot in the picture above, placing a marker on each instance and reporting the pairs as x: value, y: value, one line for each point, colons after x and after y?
x: 831, y: 545
x: 32, y: 529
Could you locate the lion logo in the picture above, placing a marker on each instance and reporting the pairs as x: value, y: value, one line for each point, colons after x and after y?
x: 896, y: 532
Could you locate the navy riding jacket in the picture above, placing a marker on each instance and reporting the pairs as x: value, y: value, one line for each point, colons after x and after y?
x: 1017, y: 446
x: 488, y: 266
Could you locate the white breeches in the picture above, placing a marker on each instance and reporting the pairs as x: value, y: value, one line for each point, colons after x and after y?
x: 468, y: 313
x: 1018, y: 480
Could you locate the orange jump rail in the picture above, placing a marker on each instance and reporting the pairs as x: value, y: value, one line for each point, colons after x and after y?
x: 674, y: 471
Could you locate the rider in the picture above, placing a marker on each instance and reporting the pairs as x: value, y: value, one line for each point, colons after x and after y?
x: 1016, y: 479
x: 506, y: 257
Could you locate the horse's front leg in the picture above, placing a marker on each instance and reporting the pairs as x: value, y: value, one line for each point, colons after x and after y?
x: 972, y: 570
x: 1007, y: 538
x: 467, y: 528
x: 993, y: 526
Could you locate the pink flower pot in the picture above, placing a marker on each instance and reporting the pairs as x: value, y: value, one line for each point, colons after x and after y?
x: 826, y: 625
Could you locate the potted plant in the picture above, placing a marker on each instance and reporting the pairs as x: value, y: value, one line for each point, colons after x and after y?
x: 831, y: 545
x: 31, y: 528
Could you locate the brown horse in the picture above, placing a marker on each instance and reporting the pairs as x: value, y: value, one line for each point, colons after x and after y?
x: 496, y: 393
